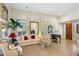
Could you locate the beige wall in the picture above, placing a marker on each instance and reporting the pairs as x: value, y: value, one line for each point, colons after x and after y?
x: 44, y: 20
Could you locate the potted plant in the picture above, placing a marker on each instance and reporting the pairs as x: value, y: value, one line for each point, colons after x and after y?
x: 13, y: 24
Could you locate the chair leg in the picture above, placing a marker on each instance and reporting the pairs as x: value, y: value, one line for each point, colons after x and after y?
x: 60, y: 40
x: 55, y: 40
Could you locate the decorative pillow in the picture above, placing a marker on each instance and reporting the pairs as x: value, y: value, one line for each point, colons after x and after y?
x: 25, y: 38
x: 32, y: 36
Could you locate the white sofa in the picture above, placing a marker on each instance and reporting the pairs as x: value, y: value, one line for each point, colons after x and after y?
x: 30, y: 41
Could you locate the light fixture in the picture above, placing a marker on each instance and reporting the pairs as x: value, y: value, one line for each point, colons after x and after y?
x: 45, y: 18
x: 59, y: 14
x: 26, y: 6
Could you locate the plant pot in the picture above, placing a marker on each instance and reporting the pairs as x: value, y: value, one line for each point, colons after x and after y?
x: 14, y: 41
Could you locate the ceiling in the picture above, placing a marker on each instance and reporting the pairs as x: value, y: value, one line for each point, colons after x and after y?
x: 55, y: 9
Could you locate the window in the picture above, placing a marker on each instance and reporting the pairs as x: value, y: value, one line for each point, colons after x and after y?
x: 22, y: 31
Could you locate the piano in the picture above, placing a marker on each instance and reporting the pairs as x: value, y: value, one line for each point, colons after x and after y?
x: 55, y: 37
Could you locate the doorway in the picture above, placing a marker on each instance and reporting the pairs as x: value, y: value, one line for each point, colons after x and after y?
x: 69, y: 30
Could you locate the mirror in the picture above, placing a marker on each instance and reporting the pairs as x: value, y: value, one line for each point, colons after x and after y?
x: 34, y: 27
x: 50, y: 28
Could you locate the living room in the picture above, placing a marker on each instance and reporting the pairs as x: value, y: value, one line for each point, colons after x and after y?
x: 43, y: 19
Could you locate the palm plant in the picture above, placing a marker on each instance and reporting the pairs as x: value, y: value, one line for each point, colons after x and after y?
x: 13, y: 24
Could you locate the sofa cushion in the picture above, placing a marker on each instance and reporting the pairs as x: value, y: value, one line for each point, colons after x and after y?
x: 32, y: 36
x: 25, y: 38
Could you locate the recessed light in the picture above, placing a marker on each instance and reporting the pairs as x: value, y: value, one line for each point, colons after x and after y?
x: 26, y: 6
x: 59, y: 13
x: 45, y: 19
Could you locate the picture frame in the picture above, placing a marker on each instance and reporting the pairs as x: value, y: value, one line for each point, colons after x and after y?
x: 50, y: 28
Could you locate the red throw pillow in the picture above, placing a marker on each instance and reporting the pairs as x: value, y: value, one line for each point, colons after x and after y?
x: 25, y: 38
x: 32, y: 36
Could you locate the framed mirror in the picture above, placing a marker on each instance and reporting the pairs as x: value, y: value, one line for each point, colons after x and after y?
x: 50, y: 28
x: 34, y: 27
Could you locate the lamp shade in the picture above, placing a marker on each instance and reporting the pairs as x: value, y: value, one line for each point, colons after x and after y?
x: 12, y: 35
x: 40, y: 35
